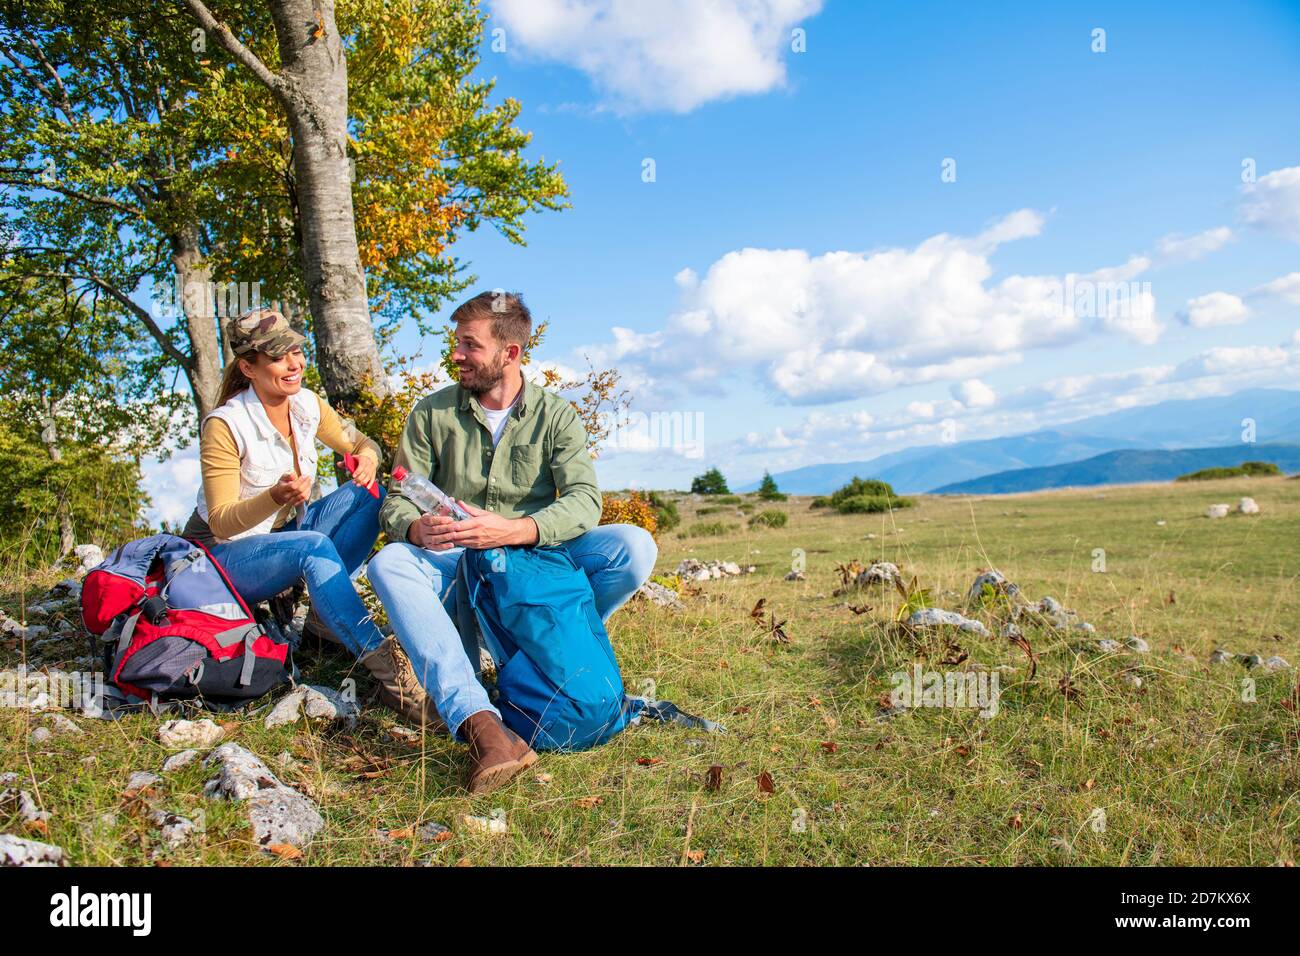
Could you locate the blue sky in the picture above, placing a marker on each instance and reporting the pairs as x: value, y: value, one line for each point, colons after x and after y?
x: 800, y: 275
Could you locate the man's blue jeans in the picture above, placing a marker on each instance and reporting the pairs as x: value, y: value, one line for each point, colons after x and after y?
x: 326, y: 548
x: 413, y: 585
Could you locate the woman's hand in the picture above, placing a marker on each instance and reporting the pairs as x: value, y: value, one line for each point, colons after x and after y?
x: 364, y: 473
x: 290, y: 490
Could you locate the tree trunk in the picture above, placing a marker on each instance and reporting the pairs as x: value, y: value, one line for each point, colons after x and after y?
x: 194, y: 290
x: 50, y: 438
x: 316, y: 103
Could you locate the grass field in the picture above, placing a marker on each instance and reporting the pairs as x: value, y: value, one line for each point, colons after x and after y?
x: 1188, y: 768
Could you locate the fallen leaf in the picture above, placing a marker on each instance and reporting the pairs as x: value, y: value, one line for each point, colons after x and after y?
x: 830, y: 746
x: 1017, y: 822
x: 695, y: 856
x: 962, y: 751
x: 742, y: 709
x: 403, y: 833
x: 765, y: 784
x: 859, y: 608
x: 285, y: 851
x: 1089, y: 784
x: 586, y: 803
x: 714, y: 780
x: 757, y: 612
x: 649, y: 761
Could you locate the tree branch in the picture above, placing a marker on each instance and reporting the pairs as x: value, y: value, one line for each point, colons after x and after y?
x: 166, y: 344
x: 276, y: 84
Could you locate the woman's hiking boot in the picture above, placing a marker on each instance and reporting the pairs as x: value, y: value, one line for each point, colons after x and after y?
x: 398, y: 688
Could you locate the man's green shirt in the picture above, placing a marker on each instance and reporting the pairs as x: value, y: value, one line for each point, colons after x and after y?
x: 540, y: 468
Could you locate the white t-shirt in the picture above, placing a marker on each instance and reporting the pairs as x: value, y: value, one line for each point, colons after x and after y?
x: 496, y: 419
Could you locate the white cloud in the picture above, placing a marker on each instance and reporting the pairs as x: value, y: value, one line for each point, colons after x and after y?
x: 1286, y: 287
x: 1273, y: 203
x: 974, y: 394
x: 1234, y: 360
x: 671, y: 54
x: 1179, y: 248
x: 172, y: 485
x: 1214, y: 308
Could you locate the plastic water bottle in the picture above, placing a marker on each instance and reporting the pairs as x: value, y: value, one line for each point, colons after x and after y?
x: 428, y: 496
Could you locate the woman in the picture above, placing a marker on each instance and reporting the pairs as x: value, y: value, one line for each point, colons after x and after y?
x: 258, y: 454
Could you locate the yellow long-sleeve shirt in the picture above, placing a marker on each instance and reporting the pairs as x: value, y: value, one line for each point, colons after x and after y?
x: 228, y: 514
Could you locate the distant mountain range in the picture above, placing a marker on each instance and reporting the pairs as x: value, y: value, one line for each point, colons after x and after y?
x: 1126, y: 467
x: 1181, y: 424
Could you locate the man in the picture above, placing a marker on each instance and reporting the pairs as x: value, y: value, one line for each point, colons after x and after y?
x: 515, y: 456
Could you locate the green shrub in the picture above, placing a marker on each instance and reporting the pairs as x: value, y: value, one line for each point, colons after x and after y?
x: 769, y: 519
x: 712, y: 510
x: 747, y: 508
x: 728, y: 500
x: 711, y: 529
x: 767, y: 490
x: 872, y: 504
x: 821, y: 501
x: 665, y: 511
x: 710, y: 483
x: 1252, y: 468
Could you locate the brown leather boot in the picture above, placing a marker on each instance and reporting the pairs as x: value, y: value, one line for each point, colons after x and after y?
x: 496, y: 752
x: 398, y: 688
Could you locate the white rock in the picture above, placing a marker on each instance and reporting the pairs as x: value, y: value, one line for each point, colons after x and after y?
x: 64, y: 725
x: 176, y: 761
x: 880, y: 572
x: 176, y: 830
x: 279, y: 814
x: 1220, y: 656
x: 495, y: 824
x: 995, y: 580
x: 175, y: 734
x: 22, y: 801
x: 1160, y: 524
x: 794, y: 576
x: 15, y: 851
x: 1247, y: 506
x: 141, y: 780
x: 318, y: 703
x: 1138, y: 645
x: 89, y: 556
x: 934, y: 617
x: 658, y: 594
x: 1276, y: 663
x: 1132, y: 680
x: 1108, y: 646
x: 1217, y: 511
x: 41, y: 734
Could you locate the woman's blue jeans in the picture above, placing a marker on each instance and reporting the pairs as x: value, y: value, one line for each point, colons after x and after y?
x: 327, y: 546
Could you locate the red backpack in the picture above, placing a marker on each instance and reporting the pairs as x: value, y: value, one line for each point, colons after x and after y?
x: 172, y: 626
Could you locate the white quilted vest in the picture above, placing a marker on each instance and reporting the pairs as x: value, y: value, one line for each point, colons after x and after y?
x: 265, y: 454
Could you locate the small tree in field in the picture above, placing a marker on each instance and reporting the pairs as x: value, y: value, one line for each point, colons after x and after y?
x: 710, y: 483
x: 768, y: 491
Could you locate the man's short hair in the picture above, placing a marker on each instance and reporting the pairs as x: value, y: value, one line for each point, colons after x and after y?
x: 511, y: 320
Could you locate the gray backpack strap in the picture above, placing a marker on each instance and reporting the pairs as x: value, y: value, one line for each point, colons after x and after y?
x: 177, y: 566
x: 128, y: 629
x: 246, y: 674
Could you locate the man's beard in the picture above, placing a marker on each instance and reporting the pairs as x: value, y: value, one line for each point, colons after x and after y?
x: 483, y: 380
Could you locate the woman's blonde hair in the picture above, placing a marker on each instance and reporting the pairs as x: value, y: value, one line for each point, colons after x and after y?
x: 233, y: 379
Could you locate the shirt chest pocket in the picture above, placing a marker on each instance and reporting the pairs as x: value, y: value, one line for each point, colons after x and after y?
x: 525, y: 465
